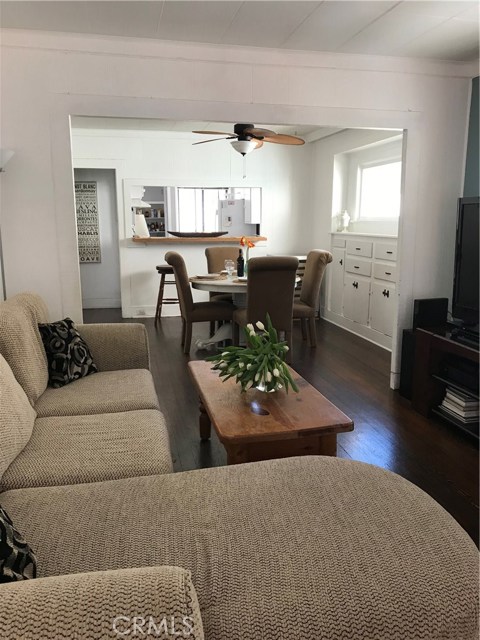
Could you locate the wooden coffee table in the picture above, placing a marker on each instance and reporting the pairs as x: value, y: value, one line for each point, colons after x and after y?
x: 259, y: 426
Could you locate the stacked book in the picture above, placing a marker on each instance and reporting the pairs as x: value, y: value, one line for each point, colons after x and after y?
x: 460, y: 406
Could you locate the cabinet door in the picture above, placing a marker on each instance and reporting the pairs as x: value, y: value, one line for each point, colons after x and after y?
x: 382, y: 307
x: 356, y: 299
x: 336, y: 280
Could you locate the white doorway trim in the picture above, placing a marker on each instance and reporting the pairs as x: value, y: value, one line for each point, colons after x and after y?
x: 117, y: 167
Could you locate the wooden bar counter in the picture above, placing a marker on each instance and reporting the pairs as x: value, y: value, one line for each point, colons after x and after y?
x: 197, y: 240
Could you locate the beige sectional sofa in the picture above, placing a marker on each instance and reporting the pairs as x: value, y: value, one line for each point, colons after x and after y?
x: 101, y: 427
x: 311, y: 547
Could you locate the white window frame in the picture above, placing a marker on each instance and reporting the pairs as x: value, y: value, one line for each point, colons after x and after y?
x: 370, y: 165
x: 373, y: 155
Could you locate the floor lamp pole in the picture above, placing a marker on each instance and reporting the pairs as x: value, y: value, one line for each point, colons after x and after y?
x: 2, y: 267
x: 5, y: 155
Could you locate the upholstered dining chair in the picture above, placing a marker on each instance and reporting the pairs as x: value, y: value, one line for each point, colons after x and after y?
x: 216, y: 257
x: 306, y: 308
x: 270, y: 289
x: 194, y: 311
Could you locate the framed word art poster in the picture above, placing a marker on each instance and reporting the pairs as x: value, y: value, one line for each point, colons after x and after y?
x: 87, y: 222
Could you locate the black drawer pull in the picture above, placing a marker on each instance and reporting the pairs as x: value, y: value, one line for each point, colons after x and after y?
x: 355, y: 267
x: 386, y: 293
x: 388, y: 273
x: 358, y: 248
x: 390, y: 252
x: 341, y: 261
x: 355, y: 285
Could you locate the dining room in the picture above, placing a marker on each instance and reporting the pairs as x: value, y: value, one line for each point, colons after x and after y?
x: 181, y: 184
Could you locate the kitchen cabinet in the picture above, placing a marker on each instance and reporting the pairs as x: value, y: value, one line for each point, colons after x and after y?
x: 356, y: 299
x: 361, y: 293
x: 382, y: 307
x: 155, y: 218
x: 337, y: 274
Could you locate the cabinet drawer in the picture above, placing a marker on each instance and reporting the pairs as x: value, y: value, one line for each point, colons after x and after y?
x: 359, y: 248
x: 338, y: 242
x: 362, y: 267
x: 385, y: 271
x: 384, y: 251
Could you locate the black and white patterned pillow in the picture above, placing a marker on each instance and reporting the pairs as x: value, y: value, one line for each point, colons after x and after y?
x: 68, y: 355
x: 17, y: 560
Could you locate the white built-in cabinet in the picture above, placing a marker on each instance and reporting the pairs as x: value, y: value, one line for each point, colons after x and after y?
x: 361, y: 290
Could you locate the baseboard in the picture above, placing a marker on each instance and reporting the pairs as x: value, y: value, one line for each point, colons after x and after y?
x: 101, y: 303
x: 148, y: 311
x: 366, y: 333
x: 394, y: 380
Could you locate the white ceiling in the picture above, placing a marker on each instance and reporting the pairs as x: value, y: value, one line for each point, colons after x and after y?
x: 308, y: 132
x: 433, y: 29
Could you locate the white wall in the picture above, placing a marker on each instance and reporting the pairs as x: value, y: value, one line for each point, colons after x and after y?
x: 47, y: 77
x: 168, y: 158
x: 331, y: 165
x: 100, y: 281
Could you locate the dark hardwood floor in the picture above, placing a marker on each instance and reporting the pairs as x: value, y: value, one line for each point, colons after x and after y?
x: 354, y: 375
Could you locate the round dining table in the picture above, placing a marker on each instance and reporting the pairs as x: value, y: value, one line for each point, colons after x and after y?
x: 221, y: 284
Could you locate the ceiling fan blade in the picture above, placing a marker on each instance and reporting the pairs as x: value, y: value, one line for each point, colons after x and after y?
x: 254, y: 131
x: 212, y: 140
x: 216, y: 133
x: 281, y: 138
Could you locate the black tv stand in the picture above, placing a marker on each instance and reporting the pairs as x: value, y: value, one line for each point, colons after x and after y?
x: 466, y: 335
x: 440, y: 363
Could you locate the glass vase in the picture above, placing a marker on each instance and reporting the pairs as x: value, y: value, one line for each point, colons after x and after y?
x: 263, y: 387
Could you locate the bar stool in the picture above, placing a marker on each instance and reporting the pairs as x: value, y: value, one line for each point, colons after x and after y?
x: 164, y: 270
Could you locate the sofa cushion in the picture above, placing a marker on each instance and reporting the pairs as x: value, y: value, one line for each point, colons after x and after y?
x: 149, y: 602
x: 17, y: 560
x: 20, y: 342
x: 105, y: 392
x: 68, y: 355
x: 308, y: 547
x: 16, y: 417
x: 76, y: 449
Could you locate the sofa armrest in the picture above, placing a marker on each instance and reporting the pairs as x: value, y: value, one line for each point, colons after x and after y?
x: 117, y: 346
x: 145, y: 602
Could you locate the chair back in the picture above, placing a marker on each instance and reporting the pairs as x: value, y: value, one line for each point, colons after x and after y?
x: 184, y: 291
x: 315, y: 266
x: 270, y: 289
x: 216, y: 257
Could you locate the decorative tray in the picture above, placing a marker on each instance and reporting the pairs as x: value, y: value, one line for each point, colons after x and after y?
x: 195, y: 234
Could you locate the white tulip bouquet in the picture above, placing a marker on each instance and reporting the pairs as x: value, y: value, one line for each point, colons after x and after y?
x: 260, y: 364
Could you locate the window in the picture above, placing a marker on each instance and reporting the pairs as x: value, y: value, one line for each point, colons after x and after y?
x: 379, y: 191
x: 199, y: 207
x: 190, y: 209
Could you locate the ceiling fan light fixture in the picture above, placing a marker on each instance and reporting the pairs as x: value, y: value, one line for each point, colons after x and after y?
x: 244, y: 146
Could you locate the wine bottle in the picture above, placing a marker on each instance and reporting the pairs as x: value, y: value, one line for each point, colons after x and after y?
x: 240, y: 264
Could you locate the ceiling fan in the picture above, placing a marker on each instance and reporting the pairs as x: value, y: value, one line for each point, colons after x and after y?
x: 247, y: 137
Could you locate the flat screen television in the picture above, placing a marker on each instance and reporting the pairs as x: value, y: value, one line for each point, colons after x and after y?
x: 465, y: 285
